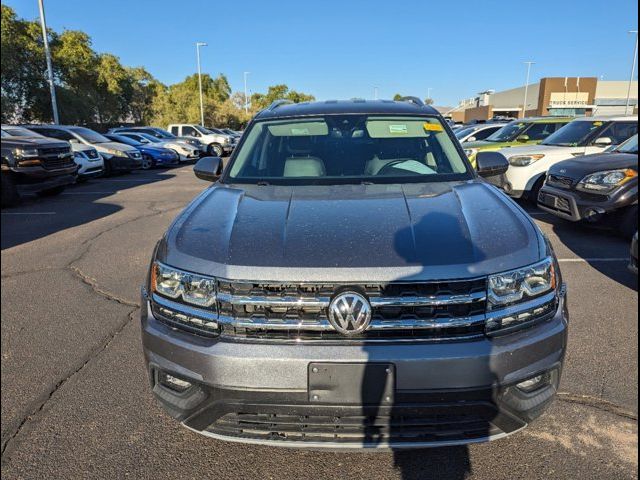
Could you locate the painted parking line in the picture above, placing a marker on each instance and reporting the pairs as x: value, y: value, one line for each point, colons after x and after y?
x: 29, y: 213
x: 589, y: 260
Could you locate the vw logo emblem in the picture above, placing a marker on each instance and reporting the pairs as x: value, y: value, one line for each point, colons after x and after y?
x: 350, y: 313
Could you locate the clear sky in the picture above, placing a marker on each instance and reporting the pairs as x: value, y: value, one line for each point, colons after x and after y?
x: 345, y: 48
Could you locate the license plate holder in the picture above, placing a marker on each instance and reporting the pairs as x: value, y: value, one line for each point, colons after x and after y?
x: 352, y: 383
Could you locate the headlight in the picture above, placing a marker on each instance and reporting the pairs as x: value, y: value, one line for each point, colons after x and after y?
x: 78, y: 155
x: 524, y: 160
x: 521, y: 285
x: 26, y: 152
x: 607, y: 181
x: 116, y: 153
x: 183, y: 286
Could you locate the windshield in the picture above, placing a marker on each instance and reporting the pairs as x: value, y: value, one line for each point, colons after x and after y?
x: 463, y: 132
x: 630, y: 146
x: 20, y: 132
x: 89, y: 135
x: 125, y: 140
x: 508, y: 133
x: 573, y: 134
x: 160, y: 133
x: 151, y: 138
x: 338, y: 149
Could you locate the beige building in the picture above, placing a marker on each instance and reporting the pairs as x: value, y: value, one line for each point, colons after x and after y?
x: 574, y: 96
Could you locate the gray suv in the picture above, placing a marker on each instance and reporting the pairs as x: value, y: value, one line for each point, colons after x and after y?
x: 349, y: 281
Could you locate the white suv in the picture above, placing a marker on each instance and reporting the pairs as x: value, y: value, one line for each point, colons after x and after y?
x: 217, y: 144
x: 583, y: 136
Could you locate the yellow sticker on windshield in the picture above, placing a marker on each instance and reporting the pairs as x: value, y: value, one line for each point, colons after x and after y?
x: 597, y: 124
x: 432, y: 127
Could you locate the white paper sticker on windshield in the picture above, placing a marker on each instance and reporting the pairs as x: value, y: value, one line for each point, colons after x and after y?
x: 299, y: 131
x: 398, y: 129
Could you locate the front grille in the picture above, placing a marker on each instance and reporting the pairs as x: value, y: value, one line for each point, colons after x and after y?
x: 54, y: 151
x: 413, y: 425
x: 92, y: 154
x: 56, y: 163
x: 399, y: 310
x: 560, y: 181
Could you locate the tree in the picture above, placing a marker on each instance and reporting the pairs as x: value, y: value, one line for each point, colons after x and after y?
x: 260, y: 101
x: 428, y: 101
x: 397, y: 97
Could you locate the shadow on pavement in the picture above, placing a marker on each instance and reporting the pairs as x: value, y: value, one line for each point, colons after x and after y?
x: 38, y: 217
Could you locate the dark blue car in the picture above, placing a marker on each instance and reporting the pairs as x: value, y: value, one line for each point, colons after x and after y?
x: 151, y: 156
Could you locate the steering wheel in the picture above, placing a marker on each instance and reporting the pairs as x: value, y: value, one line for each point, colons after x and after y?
x: 390, y: 165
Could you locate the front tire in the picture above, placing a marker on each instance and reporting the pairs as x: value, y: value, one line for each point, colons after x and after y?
x: 10, y: 195
x: 629, y: 222
x: 216, y: 150
x: 147, y: 162
x: 532, y: 196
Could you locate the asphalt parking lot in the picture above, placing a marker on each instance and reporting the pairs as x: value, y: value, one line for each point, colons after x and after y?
x: 75, y: 397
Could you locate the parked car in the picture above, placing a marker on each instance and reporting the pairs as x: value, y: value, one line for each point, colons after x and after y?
x: 344, y: 272
x: 583, y: 136
x: 162, y: 135
x: 36, y: 165
x: 633, y: 254
x: 117, y: 157
x: 89, y: 161
x: 217, y: 144
x: 185, y: 151
x: 476, y: 133
x: 233, y: 133
x: 600, y: 188
x: 151, y: 156
x: 519, y: 132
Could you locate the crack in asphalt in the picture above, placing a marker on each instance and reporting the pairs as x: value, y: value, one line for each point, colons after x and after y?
x: 92, y: 355
x: 598, y: 403
x: 97, y: 290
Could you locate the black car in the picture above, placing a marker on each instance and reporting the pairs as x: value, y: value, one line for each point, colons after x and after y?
x: 600, y: 189
x: 39, y: 165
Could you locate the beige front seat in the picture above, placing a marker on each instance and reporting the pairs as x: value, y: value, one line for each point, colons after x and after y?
x: 300, y: 163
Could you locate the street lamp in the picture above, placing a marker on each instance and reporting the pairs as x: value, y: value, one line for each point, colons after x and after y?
x: 633, y: 71
x: 198, y: 45
x: 47, y: 54
x: 375, y: 93
x: 526, y: 89
x: 246, y: 98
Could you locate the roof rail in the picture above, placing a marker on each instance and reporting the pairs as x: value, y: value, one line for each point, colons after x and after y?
x: 414, y: 100
x: 278, y: 103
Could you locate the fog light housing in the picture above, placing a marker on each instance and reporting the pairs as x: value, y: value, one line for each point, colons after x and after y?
x: 535, y: 383
x: 174, y: 383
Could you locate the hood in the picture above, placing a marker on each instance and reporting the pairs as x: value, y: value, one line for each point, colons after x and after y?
x: 81, y: 147
x: 35, y: 142
x: 152, y: 150
x: 580, y: 167
x: 114, y: 146
x: 544, y: 149
x: 352, y: 233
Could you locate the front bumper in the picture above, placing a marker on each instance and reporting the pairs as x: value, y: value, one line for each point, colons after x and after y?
x: 577, y: 206
x: 123, y: 163
x: 445, y: 393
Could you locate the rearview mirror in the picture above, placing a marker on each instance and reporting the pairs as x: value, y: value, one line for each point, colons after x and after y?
x: 603, y: 142
x: 491, y: 164
x: 523, y: 138
x: 208, y: 168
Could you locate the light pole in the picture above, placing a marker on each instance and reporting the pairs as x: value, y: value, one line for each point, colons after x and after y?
x: 198, y: 45
x: 47, y: 54
x: 633, y: 71
x: 246, y: 98
x: 375, y: 93
x: 526, y: 89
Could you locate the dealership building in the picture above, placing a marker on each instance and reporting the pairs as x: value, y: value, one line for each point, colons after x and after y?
x: 573, y: 96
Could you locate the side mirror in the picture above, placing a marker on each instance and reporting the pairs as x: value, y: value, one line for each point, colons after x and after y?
x: 208, y: 168
x: 603, y: 142
x: 471, y: 139
x: 523, y: 138
x: 73, y: 140
x: 491, y: 164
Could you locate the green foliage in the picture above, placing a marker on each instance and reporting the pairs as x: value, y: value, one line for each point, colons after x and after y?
x: 97, y: 88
